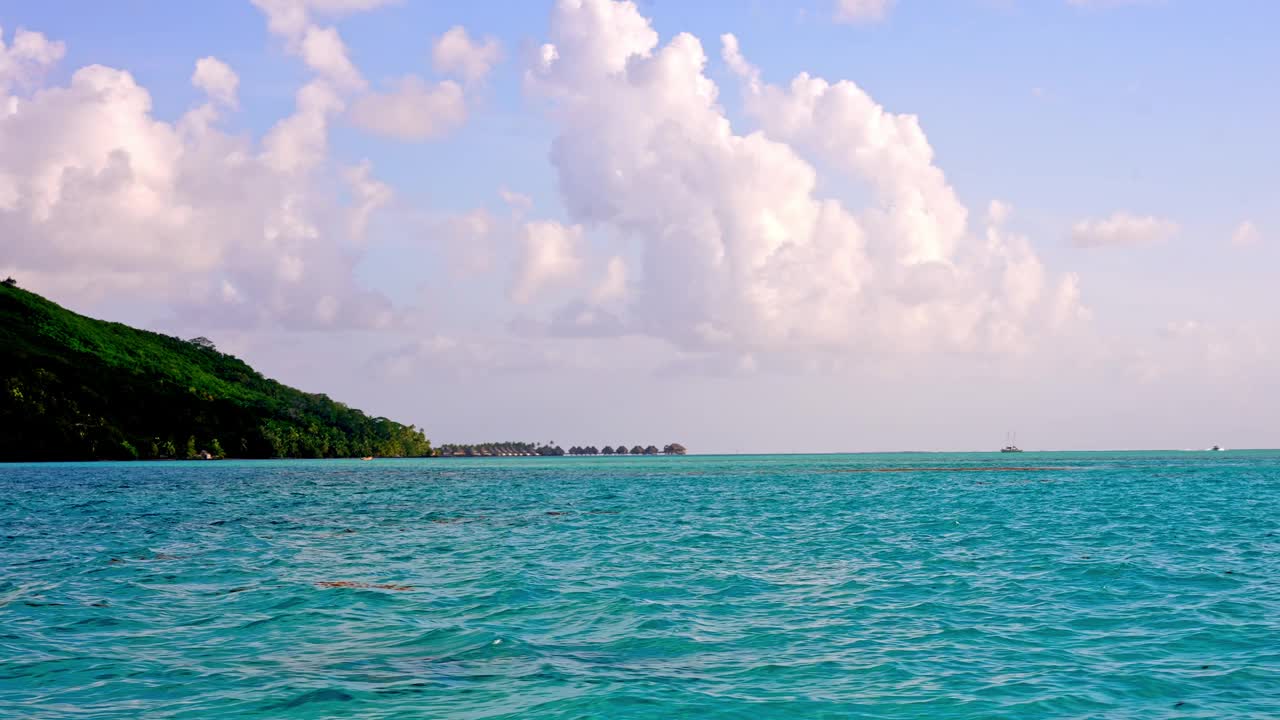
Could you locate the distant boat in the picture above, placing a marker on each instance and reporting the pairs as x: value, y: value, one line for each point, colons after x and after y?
x: 1012, y: 446
x: 1216, y: 448
x: 370, y: 457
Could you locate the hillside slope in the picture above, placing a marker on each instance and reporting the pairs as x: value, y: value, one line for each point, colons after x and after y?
x: 75, y: 388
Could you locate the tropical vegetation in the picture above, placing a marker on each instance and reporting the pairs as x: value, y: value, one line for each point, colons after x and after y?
x: 76, y: 388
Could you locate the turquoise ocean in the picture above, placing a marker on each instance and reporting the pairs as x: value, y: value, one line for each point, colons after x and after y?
x: 1073, y: 585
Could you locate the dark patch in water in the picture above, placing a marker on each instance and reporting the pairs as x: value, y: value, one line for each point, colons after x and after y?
x: 312, y: 697
x: 362, y: 585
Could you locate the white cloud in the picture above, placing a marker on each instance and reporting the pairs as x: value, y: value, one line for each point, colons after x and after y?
x: 998, y: 212
x: 299, y: 143
x: 1246, y: 233
x: 413, y: 110
x: 518, y: 202
x: 454, y: 53
x: 370, y: 194
x: 323, y: 51
x: 738, y: 249
x: 549, y: 256
x: 1121, y: 228
x: 321, y: 48
x: 732, y: 56
x: 27, y: 59
x: 217, y: 80
x: 291, y: 17
x: 862, y: 11
x: 100, y: 196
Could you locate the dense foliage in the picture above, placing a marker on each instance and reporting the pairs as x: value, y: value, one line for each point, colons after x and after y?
x: 75, y: 388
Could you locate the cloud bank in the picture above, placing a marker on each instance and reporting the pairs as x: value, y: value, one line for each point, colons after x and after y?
x: 738, y: 250
x: 98, y: 197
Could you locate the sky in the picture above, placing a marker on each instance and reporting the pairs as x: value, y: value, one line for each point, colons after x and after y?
x: 756, y: 226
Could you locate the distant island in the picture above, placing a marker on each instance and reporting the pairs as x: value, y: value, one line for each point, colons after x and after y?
x: 522, y: 449
x: 75, y: 388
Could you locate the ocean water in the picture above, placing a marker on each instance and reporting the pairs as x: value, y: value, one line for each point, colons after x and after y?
x: 1090, y: 585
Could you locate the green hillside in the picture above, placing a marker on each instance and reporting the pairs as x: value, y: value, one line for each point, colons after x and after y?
x: 75, y: 388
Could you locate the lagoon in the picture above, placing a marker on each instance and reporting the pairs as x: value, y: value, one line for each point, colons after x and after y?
x: 888, y: 586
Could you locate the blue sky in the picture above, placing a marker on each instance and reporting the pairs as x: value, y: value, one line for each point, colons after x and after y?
x: 1134, y: 142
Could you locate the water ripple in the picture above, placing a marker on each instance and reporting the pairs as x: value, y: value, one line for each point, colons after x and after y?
x: 1080, y: 585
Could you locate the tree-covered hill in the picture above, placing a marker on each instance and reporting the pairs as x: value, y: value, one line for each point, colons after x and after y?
x: 75, y: 388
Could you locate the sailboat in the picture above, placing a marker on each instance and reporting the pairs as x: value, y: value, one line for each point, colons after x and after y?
x: 1012, y: 446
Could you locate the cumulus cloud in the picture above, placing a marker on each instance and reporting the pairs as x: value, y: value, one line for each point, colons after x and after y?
x: 1245, y: 234
x: 862, y: 11
x: 25, y: 60
x: 321, y: 48
x: 291, y: 17
x: 97, y: 195
x: 217, y: 80
x: 455, y: 53
x: 299, y: 142
x: 739, y: 250
x: 549, y: 256
x: 323, y: 51
x: 1121, y: 228
x: 413, y: 110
